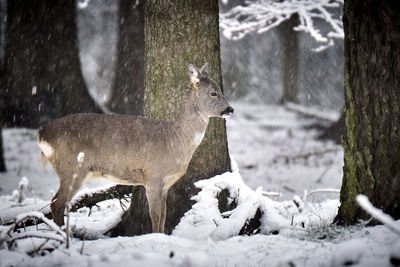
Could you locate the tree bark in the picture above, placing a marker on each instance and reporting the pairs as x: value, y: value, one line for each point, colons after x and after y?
x: 128, y: 88
x: 372, y: 108
x: 42, y: 77
x: 2, y: 161
x: 334, y: 131
x: 290, y: 65
x: 177, y: 32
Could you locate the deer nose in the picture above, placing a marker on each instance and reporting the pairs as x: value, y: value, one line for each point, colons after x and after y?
x: 227, y: 112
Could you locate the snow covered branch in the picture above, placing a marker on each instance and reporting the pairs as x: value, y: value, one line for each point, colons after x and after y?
x: 263, y: 15
x: 377, y: 214
x: 90, y: 198
x: 9, y: 236
x: 317, y: 191
x: 252, y: 213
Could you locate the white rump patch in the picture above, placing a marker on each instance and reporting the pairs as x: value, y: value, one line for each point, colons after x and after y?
x: 46, y: 148
x: 197, y: 138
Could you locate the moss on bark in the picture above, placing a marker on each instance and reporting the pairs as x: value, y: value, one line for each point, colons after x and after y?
x: 372, y: 97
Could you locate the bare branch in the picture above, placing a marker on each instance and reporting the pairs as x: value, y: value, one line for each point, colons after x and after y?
x: 263, y: 15
x: 35, y: 234
x: 9, y: 236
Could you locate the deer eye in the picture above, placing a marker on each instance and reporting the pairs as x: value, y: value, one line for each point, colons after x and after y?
x: 214, y: 94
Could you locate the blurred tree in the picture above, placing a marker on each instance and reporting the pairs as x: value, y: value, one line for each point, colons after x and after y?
x: 321, y: 19
x: 236, y: 63
x: 2, y: 19
x: 128, y: 87
x: 372, y: 108
x: 177, y: 32
x: 261, y: 16
x: 290, y: 66
x: 42, y: 76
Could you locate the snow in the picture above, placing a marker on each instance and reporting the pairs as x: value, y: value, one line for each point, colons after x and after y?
x: 377, y: 213
x: 80, y: 158
x: 98, y: 33
x: 274, y: 149
x: 18, y: 195
x: 83, y: 4
x: 263, y: 15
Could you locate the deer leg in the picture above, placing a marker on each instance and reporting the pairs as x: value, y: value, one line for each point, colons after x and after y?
x: 68, y: 188
x: 157, y: 205
x: 57, y: 204
x: 163, y: 210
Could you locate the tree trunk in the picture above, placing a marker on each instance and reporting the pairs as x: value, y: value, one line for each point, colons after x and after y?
x: 2, y: 161
x: 290, y: 65
x: 42, y: 76
x: 2, y: 103
x: 334, y: 131
x: 128, y: 88
x: 372, y: 108
x: 177, y: 32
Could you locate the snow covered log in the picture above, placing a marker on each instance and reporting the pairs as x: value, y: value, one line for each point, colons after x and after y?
x: 227, y: 207
x: 92, y: 197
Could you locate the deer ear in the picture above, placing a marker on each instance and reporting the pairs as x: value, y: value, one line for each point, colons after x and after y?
x: 193, y: 73
x: 206, y: 69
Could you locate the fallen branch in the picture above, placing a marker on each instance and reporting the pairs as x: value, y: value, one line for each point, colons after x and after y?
x: 90, y: 199
x: 35, y: 234
x: 9, y: 236
x: 86, y: 199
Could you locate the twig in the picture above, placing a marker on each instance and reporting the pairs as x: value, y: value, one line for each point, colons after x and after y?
x: 35, y: 235
x: 68, y: 202
x: 32, y: 252
x: 307, y: 155
x: 81, y: 250
x: 323, y: 174
x: 9, y: 237
x: 122, y: 205
x: 287, y: 188
x: 31, y: 216
x: 317, y: 191
x: 262, y: 15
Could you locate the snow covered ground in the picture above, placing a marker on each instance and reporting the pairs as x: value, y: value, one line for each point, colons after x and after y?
x: 273, y: 148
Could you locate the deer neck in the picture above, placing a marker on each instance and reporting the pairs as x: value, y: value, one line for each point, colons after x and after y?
x: 191, y: 123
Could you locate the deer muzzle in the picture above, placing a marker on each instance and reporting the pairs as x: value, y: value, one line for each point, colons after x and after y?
x: 227, y: 112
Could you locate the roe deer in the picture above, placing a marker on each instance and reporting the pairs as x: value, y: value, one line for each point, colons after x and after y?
x: 132, y: 150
